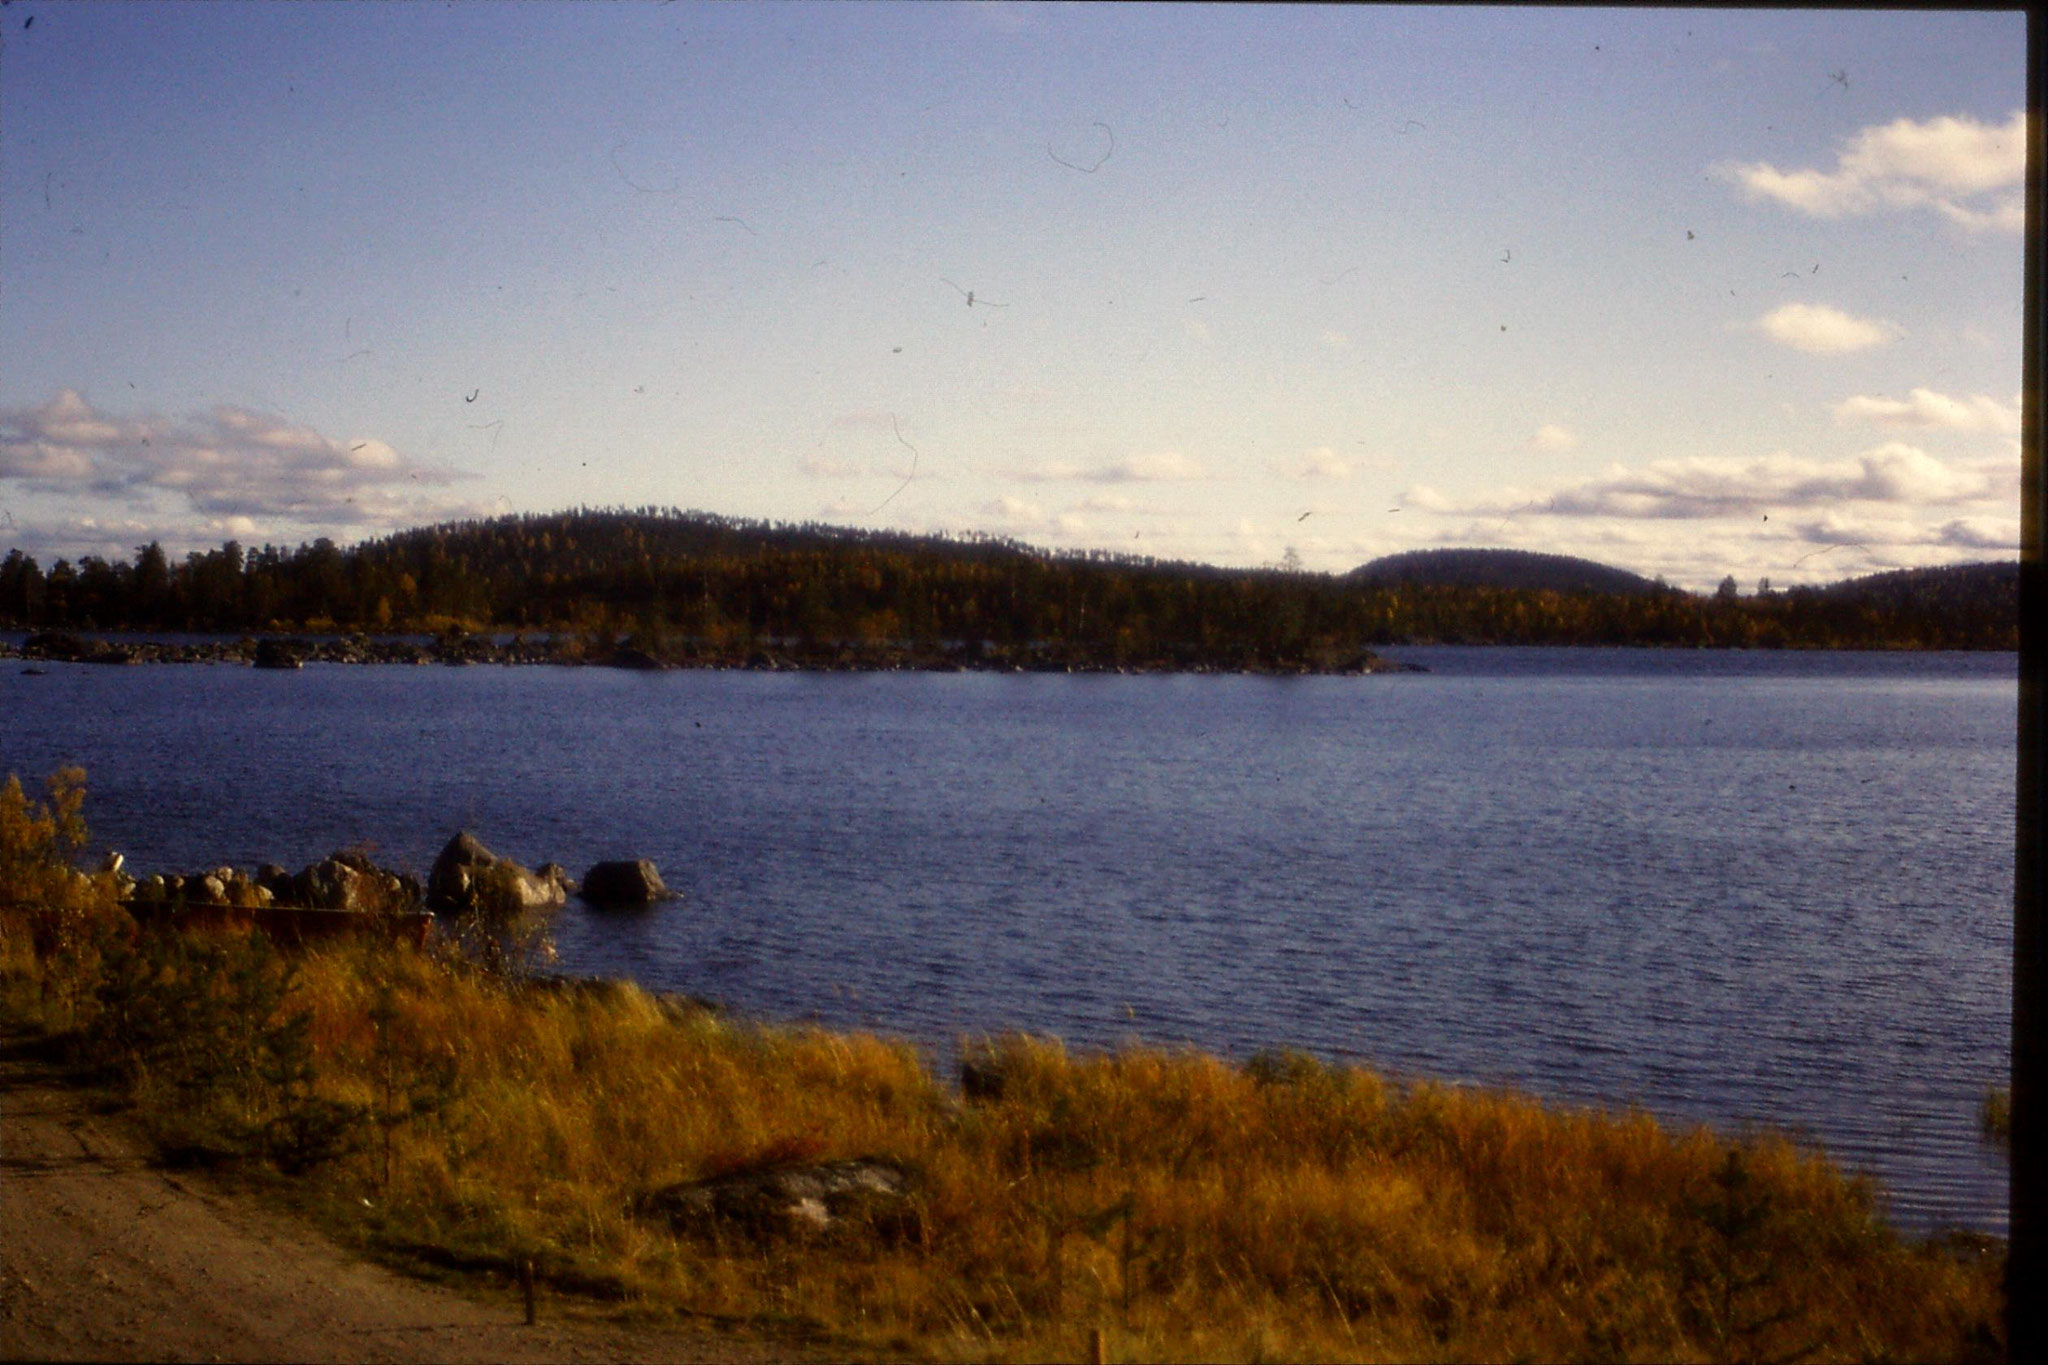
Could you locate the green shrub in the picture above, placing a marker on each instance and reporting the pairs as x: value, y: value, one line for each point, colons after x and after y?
x: 53, y: 917
x: 38, y: 844
x: 198, y: 1028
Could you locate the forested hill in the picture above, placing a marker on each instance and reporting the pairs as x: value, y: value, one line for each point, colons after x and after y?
x: 691, y: 585
x: 1988, y: 588
x: 1503, y: 569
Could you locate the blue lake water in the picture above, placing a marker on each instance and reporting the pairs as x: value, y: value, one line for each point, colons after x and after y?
x: 1741, y: 888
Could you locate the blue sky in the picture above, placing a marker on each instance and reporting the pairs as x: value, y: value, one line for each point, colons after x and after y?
x: 1690, y: 292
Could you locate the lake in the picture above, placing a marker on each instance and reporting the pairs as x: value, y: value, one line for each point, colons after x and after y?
x: 1740, y: 888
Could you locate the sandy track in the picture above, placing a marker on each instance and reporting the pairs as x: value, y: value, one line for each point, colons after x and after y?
x: 106, y: 1257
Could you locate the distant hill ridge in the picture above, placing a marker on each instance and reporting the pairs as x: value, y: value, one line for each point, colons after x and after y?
x: 1951, y: 585
x: 714, y: 588
x: 1520, y: 569
x: 1974, y: 587
x: 588, y: 536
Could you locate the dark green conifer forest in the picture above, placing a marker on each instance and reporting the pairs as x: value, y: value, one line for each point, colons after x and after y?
x: 674, y: 581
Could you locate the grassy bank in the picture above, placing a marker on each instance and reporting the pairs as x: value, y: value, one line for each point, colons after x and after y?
x: 436, y: 1113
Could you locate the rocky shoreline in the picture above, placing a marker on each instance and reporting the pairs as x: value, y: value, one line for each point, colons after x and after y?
x: 465, y: 876
x: 290, y: 652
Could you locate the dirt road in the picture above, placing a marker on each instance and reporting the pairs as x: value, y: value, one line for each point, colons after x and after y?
x: 106, y: 1257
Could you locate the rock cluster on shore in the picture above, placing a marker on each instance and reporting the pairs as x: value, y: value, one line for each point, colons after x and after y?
x: 340, y: 881
x: 288, y: 652
x: 281, y: 651
x: 465, y: 875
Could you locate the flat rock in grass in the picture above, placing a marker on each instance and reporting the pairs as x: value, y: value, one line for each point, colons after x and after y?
x: 983, y: 1078
x: 629, y: 882
x: 788, y: 1200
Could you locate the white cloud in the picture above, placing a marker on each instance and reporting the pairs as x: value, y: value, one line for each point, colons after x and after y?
x: 1969, y: 172
x: 1010, y: 515
x: 1334, y: 339
x: 1789, y: 518
x: 52, y: 538
x: 866, y: 419
x: 68, y: 419
x: 1550, y: 438
x: 1423, y: 498
x: 1161, y: 466
x: 1820, y: 330
x: 373, y: 455
x: 1997, y: 534
x: 1706, y: 487
x: 1890, y: 534
x: 1709, y: 486
x: 1787, y: 550
x: 1926, y: 408
x: 1252, y: 543
x: 830, y: 466
x: 1031, y: 522
x: 1895, y: 472
x: 233, y: 466
x: 1322, y: 463
x: 843, y: 509
x: 1052, y: 471
x: 43, y: 462
x: 2008, y: 216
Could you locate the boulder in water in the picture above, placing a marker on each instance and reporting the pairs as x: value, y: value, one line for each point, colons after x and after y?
x: 627, y: 882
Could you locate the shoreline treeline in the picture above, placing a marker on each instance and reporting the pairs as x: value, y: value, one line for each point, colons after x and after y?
x: 656, y: 577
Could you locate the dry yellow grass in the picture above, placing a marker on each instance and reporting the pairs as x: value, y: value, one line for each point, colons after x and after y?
x: 1183, y: 1206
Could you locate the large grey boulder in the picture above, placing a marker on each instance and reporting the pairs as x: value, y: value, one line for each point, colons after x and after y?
x: 628, y: 882
x: 465, y: 867
x: 348, y: 881
x: 451, y: 883
x: 545, y: 889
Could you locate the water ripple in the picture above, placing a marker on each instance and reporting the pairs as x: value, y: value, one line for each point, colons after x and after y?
x: 1539, y: 868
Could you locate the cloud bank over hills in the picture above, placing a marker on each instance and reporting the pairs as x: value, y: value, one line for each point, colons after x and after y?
x: 245, y: 474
